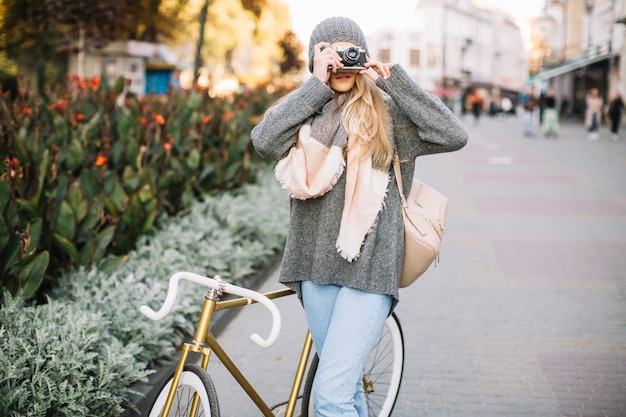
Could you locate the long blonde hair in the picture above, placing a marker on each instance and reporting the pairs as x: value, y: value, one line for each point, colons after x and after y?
x: 365, y: 118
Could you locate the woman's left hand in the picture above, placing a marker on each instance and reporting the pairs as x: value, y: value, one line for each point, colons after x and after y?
x: 375, y: 69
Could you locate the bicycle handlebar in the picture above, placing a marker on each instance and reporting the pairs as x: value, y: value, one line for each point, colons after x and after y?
x: 172, y: 293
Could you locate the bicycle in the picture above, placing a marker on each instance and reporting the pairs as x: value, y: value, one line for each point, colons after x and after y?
x: 189, y: 391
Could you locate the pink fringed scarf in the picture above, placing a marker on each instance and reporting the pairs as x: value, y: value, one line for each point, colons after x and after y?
x: 315, y: 163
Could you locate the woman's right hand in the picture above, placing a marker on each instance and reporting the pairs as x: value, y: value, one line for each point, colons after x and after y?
x: 325, y: 60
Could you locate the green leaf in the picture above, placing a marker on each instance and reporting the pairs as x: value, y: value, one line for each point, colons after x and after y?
x: 11, y: 253
x: 76, y: 200
x: 35, y: 232
x: 111, y: 264
x: 41, y: 177
x: 20, y: 152
x: 75, y: 155
x: 66, y: 221
x: 118, y: 196
x: 92, y: 124
x: 90, y: 185
x: 67, y: 247
x: 194, y: 159
x: 84, y: 255
x: 32, y: 274
x: 5, y: 195
x: 94, y: 213
x: 152, y: 212
x: 131, y: 179
x: 103, y: 239
x: 145, y: 193
x: 23, y: 130
x: 27, y: 210
x: 4, y: 233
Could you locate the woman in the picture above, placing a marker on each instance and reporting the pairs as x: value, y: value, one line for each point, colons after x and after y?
x: 592, y: 114
x: 616, y: 106
x: 334, y: 138
x: 551, y: 115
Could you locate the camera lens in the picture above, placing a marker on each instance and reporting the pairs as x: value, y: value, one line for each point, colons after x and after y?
x: 351, y: 56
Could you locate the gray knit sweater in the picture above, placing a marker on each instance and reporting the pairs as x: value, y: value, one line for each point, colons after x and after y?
x: 421, y: 125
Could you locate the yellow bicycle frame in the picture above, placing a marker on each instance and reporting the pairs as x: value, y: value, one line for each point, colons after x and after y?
x: 205, y: 343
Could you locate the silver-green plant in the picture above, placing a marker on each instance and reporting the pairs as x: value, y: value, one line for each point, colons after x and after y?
x: 81, y: 352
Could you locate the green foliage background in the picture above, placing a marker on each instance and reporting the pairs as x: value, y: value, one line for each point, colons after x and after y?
x: 87, y: 172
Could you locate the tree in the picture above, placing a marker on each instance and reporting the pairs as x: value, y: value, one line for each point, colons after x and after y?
x: 25, y: 36
x: 154, y: 20
x: 84, y: 24
x: 254, y: 6
x: 292, y: 51
x: 33, y: 31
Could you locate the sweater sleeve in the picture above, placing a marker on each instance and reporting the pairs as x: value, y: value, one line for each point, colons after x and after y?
x: 426, y: 123
x: 276, y: 132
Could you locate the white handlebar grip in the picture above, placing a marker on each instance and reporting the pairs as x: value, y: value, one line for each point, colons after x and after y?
x: 268, y: 304
x: 170, y: 299
x: 172, y: 293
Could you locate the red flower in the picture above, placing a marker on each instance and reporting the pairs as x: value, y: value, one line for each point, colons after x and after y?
x: 159, y: 119
x: 207, y: 119
x: 61, y: 105
x: 228, y: 115
x: 101, y: 160
x: 94, y: 83
x: 143, y: 121
x: 79, y: 117
x: 27, y: 110
x: 13, y: 167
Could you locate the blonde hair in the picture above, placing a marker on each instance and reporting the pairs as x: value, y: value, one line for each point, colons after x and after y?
x: 365, y: 119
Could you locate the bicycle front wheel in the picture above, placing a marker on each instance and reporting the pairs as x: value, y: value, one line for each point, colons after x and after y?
x: 194, y: 380
x: 382, y: 373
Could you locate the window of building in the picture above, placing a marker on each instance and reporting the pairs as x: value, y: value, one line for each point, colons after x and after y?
x: 414, y: 58
x: 385, y: 55
x: 432, y: 55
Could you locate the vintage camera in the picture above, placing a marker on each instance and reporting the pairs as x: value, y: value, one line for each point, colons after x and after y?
x: 352, y: 57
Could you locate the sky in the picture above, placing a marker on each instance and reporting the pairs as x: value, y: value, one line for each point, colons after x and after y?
x: 389, y: 13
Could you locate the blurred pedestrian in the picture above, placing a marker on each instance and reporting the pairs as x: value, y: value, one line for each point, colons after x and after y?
x: 529, y: 102
x: 564, y: 107
x: 593, y: 113
x: 476, y: 103
x: 541, y: 103
x: 551, y: 115
x: 506, y: 105
x: 616, y: 107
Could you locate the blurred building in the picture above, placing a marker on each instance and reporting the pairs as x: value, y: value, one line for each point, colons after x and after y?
x: 452, y: 46
x: 146, y: 67
x: 583, y: 41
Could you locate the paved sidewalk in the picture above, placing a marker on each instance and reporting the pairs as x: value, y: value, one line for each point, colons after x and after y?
x: 526, y: 313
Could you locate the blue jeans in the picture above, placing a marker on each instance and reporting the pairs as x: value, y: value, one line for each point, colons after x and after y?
x: 593, y: 127
x: 345, y: 323
x: 528, y: 122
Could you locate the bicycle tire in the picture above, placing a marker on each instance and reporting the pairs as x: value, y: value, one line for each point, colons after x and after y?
x: 384, y: 368
x: 193, y: 380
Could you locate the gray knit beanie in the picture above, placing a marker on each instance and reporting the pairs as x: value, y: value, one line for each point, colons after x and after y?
x: 336, y: 29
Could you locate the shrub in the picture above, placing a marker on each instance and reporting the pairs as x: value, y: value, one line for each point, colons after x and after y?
x: 80, y: 353
x: 88, y: 171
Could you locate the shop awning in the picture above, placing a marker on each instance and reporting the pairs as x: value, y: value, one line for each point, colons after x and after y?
x: 572, y: 66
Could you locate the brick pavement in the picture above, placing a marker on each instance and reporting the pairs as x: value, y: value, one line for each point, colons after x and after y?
x: 526, y: 313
